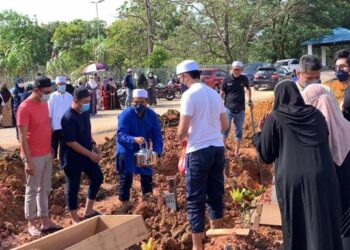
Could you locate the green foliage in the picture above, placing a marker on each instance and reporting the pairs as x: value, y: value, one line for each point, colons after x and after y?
x: 211, y: 32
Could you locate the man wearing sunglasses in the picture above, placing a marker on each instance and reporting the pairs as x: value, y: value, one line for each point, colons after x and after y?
x: 35, y: 138
x: 232, y: 90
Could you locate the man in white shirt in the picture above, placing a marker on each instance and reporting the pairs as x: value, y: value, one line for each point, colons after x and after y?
x: 59, y: 103
x: 203, y: 119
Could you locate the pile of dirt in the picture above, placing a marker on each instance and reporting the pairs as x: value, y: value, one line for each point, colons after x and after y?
x: 169, y: 228
x: 11, y: 193
x: 170, y: 119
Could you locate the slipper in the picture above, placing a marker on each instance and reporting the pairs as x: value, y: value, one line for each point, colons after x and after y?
x: 34, y: 232
x: 51, y: 229
x: 95, y: 213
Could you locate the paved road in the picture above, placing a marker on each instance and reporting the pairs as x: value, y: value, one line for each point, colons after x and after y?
x: 105, y: 122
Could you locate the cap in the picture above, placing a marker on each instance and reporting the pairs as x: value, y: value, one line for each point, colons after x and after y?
x: 237, y: 64
x: 129, y: 70
x: 60, y: 79
x: 140, y: 93
x: 186, y: 66
x: 80, y: 93
x: 42, y: 82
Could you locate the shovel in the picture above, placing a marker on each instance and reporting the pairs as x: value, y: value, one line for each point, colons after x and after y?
x: 257, y: 153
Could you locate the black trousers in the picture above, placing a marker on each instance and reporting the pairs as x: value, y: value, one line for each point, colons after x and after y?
x: 55, y: 141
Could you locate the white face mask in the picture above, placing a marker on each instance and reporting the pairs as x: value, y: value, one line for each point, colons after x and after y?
x: 21, y: 85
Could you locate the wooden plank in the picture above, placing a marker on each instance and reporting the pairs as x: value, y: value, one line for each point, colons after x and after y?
x: 65, y: 237
x: 271, y: 215
x: 257, y: 217
x: 119, y: 238
x: 228, y: 231
x: 108, y: 221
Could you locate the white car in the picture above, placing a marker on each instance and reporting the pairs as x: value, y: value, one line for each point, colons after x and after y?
x: 291, y: 65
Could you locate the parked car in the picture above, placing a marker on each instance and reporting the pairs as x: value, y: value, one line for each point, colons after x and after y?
x: 291, y: 65
x: 213, y: 77
x: 250, y: 69
x: 268, y: 77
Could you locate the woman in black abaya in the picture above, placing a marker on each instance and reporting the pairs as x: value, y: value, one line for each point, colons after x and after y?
x: 295, y: 137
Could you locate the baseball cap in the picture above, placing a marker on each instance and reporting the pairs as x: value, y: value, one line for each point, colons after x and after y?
x: 42, y: 82
x: 237, y: 64
x: 186, y: 66
x: 129, y: 70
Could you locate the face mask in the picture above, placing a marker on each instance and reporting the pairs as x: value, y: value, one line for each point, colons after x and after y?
x: 62, y: 88
x: 139, y: 108
x: 314, y: 81
x: 342, y: 75
x: 85, y: 107
x: 45, y: 98
x: 21, y: 85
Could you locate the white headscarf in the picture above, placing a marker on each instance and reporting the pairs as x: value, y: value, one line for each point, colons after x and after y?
x: 338, y: 126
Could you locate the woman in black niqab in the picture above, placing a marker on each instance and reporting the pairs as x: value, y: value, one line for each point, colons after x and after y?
x: 295, y: 138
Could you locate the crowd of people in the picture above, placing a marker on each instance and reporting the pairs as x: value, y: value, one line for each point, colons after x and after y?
x: 306, y: 136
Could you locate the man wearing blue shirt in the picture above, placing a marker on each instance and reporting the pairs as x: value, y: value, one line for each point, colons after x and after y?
x: 80, y: 154
x: 136, y: 125
x: 129, y: 84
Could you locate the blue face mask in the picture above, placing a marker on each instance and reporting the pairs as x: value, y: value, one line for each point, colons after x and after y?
x: 62, y: 88
x: 342, y: 75
x: 139, y: 108
x: 45, y: 98
x: 85, y: 107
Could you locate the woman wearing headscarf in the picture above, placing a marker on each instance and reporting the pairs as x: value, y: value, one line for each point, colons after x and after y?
x: 339, y: 143
x: 142, y: 82
x: 295, y: 137
x: 92, y: 86
x: 6, y: 107
x: 152, y: 91
x: 19, y: 89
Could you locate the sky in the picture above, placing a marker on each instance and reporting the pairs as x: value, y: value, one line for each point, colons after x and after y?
x: 63, y: 10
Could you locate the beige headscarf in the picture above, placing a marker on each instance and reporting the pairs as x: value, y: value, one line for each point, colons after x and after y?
x: 338, y: 126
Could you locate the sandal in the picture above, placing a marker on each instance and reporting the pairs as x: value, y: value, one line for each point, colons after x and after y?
x: 95, y: 213
x: 52, y: 228
x: 34, y: 232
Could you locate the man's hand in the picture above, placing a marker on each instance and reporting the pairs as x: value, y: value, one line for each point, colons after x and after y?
x: 262, y: 121
x: 139, y: 140
x: 95, y: 149
x: 29, y: 168
x: 95, y: 157
x: 250, y: 103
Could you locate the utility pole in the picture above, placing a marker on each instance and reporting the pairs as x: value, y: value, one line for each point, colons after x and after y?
x: 97, y: 23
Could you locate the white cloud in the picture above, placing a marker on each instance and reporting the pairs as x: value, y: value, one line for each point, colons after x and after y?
x: 63, y: 10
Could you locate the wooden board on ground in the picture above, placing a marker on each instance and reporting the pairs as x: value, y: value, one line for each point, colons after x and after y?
x: 228, y: 231
x: 270, y: 215
x: 98, y: 233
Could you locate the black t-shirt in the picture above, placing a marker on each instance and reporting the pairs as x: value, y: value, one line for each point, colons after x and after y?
x: 75, y: 127
x: 234, y: 92
x: 346, y: 104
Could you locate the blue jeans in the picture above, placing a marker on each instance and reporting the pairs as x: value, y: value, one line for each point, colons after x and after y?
x: 204, y: 185
x: 238, y: 121
x: 128, y: 97
x: 73, y: 174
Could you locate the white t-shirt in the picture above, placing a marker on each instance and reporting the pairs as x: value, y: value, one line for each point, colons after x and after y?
x: 205, y: 106
x: 58, y: 105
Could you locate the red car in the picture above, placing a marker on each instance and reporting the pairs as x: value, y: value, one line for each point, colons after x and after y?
x: 213, y: 77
